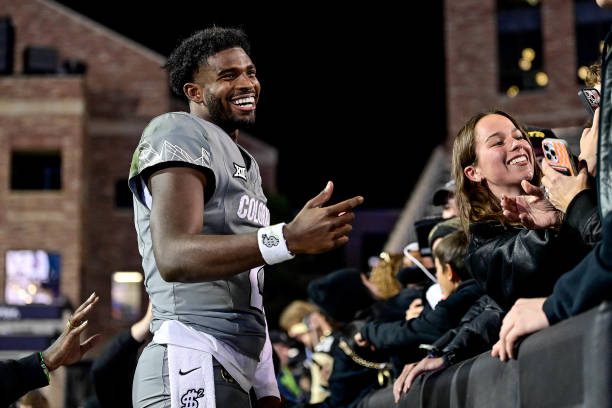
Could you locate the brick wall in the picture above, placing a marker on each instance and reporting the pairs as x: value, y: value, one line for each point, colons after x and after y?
x: 112, y: 237
x: 472, y: 66
x: 123, y: 78
x: 97, y: 120
x: 44, y: 113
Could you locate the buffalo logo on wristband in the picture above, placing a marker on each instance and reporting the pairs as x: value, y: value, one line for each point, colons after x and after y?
x: 269, y: 241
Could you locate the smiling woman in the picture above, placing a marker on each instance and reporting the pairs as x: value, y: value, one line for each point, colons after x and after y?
x: 493, y: 159
x: 504, y: 156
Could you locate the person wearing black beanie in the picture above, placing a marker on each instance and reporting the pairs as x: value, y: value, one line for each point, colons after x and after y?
x: 340, y: 294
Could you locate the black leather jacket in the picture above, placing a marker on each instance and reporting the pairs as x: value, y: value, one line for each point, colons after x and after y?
x: 511, y: 262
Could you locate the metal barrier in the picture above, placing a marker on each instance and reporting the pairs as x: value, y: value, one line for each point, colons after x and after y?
x: 566, y: 365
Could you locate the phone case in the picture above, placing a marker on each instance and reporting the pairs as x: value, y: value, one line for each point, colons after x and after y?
x: 590, y: 99
x: 558, y: 156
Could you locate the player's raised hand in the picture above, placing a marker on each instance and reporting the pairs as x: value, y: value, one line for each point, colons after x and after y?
x: 316, y: 228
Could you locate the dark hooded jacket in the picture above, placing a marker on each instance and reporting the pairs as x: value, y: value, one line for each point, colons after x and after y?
x: 404, y: 337
x: 477, y: 332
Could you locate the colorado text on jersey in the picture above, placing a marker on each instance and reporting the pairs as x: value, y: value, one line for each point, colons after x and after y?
x: 254, y: 210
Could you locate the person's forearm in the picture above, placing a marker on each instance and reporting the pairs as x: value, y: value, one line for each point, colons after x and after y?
x: 475, y: 337
x: 200, y: 258
x: 117, y: 356
x: 445, y: 339
x: 19, y: 377
x: 114, y: 369
x: 392, y: 335
x: 587, y: 284
x: 183, y: 253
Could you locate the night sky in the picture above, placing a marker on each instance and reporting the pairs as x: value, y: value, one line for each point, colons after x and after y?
x: 336, y: 85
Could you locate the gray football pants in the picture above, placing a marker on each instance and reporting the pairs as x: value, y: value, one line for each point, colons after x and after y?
x: 152, y: 382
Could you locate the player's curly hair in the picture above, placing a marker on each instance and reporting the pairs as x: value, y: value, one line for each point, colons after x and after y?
x: 194, y: 51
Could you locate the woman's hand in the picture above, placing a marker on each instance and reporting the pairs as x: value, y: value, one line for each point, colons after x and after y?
x: 561, y: 188
x: 410, y: 371
x: 525, y: 317
x: 533, y: 209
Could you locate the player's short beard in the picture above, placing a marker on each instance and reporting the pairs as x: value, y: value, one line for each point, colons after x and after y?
x: 224, y: 118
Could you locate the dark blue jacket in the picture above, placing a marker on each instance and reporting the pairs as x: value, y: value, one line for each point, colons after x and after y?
x: 585, y: 286
x: 405, y: 336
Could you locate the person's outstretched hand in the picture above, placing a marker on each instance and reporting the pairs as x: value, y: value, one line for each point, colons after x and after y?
x: 410, y: 371
x: 140, y: 329
x: 316, y: 228
x: 533, y: 209
x: 525, y: 317
x: 561, y: 188
x: 68, y: 349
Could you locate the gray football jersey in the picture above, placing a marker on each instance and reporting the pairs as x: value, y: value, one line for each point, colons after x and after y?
x: 230, y: 310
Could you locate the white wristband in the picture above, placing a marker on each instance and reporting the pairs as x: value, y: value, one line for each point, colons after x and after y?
x: 272, y: 244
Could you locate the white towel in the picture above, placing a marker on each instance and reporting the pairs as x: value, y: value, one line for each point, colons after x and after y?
x: 192, y: 383
x: 246, y: 371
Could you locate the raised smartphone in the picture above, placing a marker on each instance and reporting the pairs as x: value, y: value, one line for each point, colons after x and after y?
x: 559, y: 157
x: 590, y: 99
